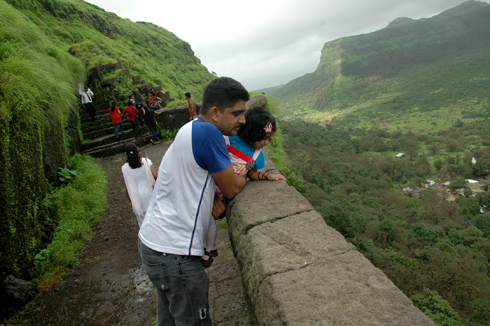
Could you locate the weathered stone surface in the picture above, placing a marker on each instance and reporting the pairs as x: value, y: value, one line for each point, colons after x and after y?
x: 258, y: 101
x: 16, y: 292
x: 277, y: 200
x: 345, y: 289
x: 225, y: 291
x: 284, y: 245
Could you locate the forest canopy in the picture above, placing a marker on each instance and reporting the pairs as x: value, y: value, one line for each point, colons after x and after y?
x: 428, y: 246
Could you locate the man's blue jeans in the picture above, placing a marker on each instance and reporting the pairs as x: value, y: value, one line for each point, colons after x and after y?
x: 182, y: 287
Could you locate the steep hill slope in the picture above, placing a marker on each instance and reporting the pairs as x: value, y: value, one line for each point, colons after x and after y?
x: 47, y: 47
x: 99, y: 38
x: 423, y: 64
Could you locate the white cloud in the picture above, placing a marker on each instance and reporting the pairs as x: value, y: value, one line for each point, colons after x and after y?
x: 257, y: 39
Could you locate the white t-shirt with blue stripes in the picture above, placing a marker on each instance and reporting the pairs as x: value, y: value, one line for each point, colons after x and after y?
x: 179, y: 212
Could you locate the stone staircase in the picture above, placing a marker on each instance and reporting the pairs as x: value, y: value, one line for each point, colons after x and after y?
x: 100, y: 137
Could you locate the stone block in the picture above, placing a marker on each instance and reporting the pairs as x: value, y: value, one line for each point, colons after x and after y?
x: 344, y: 289
x: 283, y: 245
x: 277, y: 200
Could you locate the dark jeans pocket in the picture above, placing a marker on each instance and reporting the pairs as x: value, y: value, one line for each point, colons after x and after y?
x: 155, y: 267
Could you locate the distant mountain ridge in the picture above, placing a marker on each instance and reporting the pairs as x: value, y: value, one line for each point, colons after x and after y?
x: 359, y: 68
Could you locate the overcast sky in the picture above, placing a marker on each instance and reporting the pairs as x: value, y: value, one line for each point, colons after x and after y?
x: 264, y: 43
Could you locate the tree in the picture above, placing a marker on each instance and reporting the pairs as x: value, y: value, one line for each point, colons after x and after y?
x: 438, y: 165
x: 458, y: 183
x: 434, y: 148
x: 438, y: 309
x: 411, y: 147
x: 468, y: 192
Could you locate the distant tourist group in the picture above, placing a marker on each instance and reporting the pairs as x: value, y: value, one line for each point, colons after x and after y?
x: 138, y: 111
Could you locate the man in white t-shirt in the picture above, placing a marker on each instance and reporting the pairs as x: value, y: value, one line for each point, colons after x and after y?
x: 172, y: 236
x: 86, y: 96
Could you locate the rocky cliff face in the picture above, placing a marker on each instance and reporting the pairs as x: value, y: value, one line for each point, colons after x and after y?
x: 359, y: 66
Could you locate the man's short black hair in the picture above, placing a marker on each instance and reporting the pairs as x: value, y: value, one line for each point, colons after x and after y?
x: 188, y: 95
x: 253, y: 129
x: 223, y: 93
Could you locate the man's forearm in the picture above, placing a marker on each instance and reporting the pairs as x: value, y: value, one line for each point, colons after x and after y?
x: 240, y: 183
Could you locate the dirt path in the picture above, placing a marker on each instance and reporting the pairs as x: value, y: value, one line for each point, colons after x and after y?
x: 109, y: 287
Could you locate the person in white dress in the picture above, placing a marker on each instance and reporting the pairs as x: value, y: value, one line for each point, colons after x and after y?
x: 139, y: 177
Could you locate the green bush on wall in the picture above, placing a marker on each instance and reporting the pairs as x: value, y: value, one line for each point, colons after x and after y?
x: 37, y: 97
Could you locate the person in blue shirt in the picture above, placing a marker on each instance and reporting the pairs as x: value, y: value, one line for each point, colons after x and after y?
x: 172, y: 235
x: 245, y: 151
x: 254, y: 135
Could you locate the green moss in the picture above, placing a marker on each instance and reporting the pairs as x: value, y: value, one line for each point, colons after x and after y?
x: 37, y: 83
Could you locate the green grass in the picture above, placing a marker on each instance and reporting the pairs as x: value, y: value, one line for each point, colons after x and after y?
x: 165, y: 133
x: 97, y: 37
x: 75, y: 207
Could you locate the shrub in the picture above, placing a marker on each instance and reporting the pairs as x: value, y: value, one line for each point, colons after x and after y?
x: 76, y: 206
x: 438, y: 309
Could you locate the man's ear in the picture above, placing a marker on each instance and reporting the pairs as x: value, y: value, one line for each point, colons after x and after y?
x: 215, y: 113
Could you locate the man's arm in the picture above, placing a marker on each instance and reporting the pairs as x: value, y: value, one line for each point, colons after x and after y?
x: 127, y: 85
x: 229, y: 183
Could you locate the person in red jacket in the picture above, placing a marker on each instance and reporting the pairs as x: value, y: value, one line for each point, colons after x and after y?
x: 130, y: 112
x: 116, y: 118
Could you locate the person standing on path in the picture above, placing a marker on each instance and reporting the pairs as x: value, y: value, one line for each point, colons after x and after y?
x: 138, y: 101
x: 171, y: 239
x: 130, y: 112
x: 152, y: 123
x: 192, y: 106
x: 116, y: 118
x: 86, y: 96
x: 139, y: 178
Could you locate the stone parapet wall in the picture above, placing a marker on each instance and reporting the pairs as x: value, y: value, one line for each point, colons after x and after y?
x: 174, y: 118
x: 296, y: 270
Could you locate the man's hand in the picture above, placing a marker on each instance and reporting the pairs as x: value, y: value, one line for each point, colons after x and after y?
x: 219, y: 207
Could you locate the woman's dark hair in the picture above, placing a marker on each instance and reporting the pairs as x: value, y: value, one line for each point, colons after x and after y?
x: 130, y: 102
x: 133, y: 156
x: 253, y: 129
x: 113, y: 106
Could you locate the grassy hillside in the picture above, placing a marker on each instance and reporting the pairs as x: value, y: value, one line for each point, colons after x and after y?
x: 98, y: 38
x: 38, y: 119
x: 435, y: 65
x: 46, y: 48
